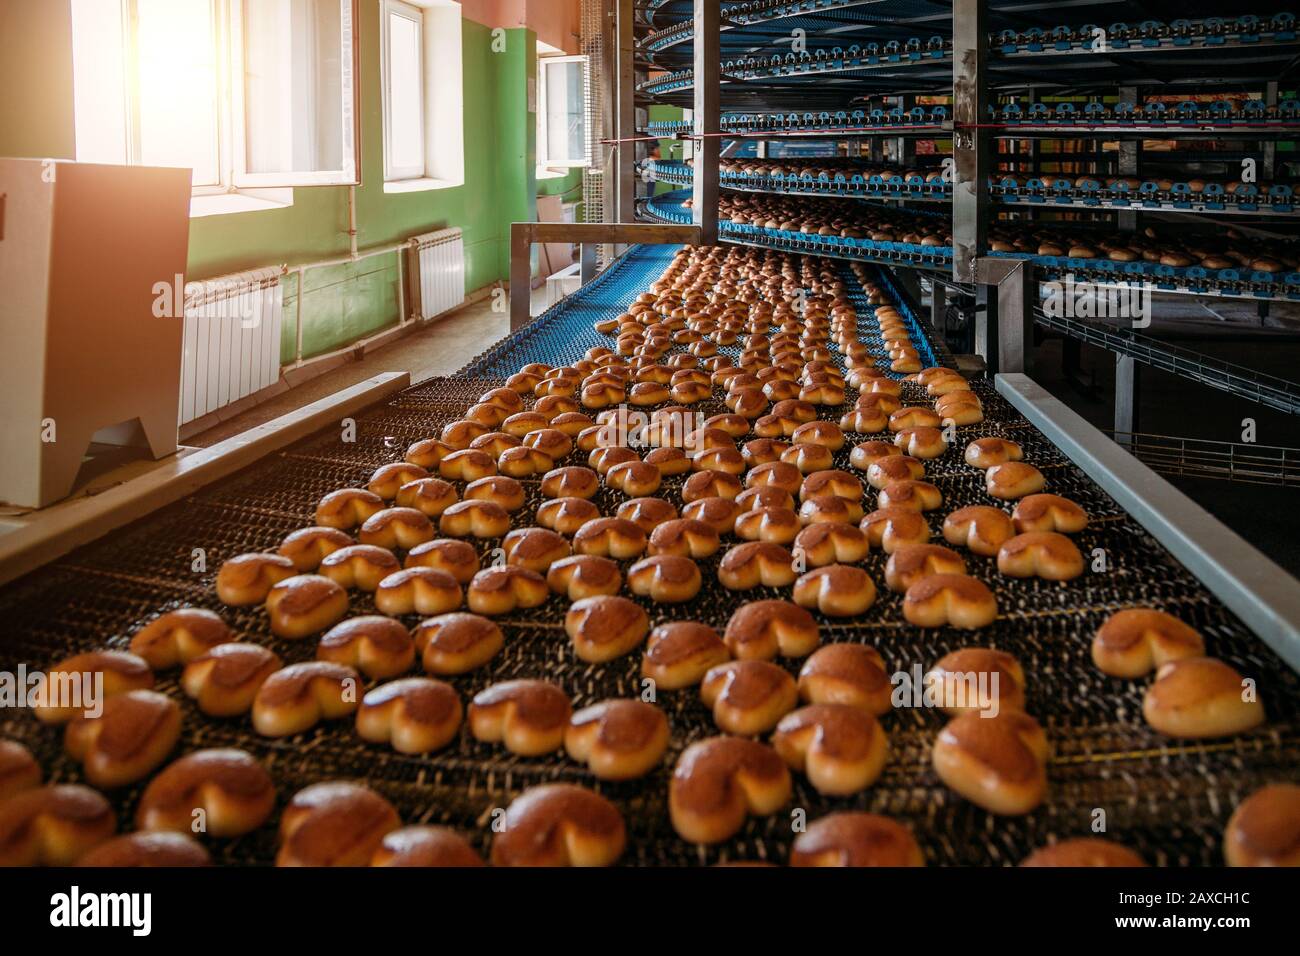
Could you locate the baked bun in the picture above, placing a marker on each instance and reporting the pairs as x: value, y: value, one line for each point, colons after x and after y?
x: 780, y: 525
x: 775, y: 474
x: 647, y: 513
x: 148, y: 850
x: 921, y: 442
x: 837, y: 590
x: 528, y: 716
x: 502, y: 590
x: 247, y: 578
x: 583, y: 576
x: 179, y: 636
x: 523, y: 462
x: 1200, y: 697
x: 416, y: 715
x: 610, y: 538
x: 680, y: 653
x: 755, y: 563
x: 684, y: 537
x: 830, y: 542
x: 977, y: 679
x: 498, y: 489
x: 831, y: 481
x: 720, y: 513
x: 474, y: 519
x: 573, y: 481
x: 748, y: 697
x: 1048, y: 513
x: 1137, y: 641
x: 226, y: 679
x: 554, y: 443
x: 956, y: 600
x: 334, y: 824
x: 1084, y: 851
x: 457, y: 643
x: 856, y: 839
x: 618, y: 739
x: 723, y: 458
x: 226, y: 789
x: 987, y: 452
x: 808, y: 457
x: 457, y: 558
x: 636, y: 478
x: 669, y: 460
x: 387, y: 479
x: 894, y: 468
x: 998, y: 763
x: 760, y: 630
x: 605, y: 627
x: 566, y: 515
x: 850, y: 674
x: 306, y: 604
x: 425, y: 846
x: 841, y: 749
x: 891, y: 528
x: 379, y: 647
x: 711, y: 484
x: 133, y: 735
x: 754, y: 499
x: 980, y: 528
x: 347, y: 508
x: 1013, y: 479
x: 560, y: 824
x: 826, y: 434
x: 54, y: 825
x: 912, y: 562
x: 720, y: 781
x: 868, y: 453
x: 1264, y: 830
x: 427, y: 453
x: 360, y: 566
x: 297, y: 697
x: 18, y: 769
x: 665, y: 578
x: 417, y: 591
x: 1043, y: 554
x: 308, y: 547
x: 534, y: 548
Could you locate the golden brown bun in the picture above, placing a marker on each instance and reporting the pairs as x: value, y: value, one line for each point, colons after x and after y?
x: 179, y: 636
x: 222, y: 793
x: 560, y: 824
x: 457, y: 643
x: 754, y: 499
x: 856, y: 839
x: 1084, y: 851
x: 953, y: 599
x: 133, y: 735
x: 415, y: 715
x: 306, y: 604
x: 831, y: 542
x: 665, y: 578
x: 647, y: 513
x: 755, y: 563
x: 684, y: 537
x: 841, y: 749
x: 618, y: 739
x: 379, y: 647
x: 523, y: 462
x: 388, y: 479
x: 831, y: 481
x: 501, y: 590
x: 910, y: 495
x: 605, y: 627
x: 417, y: 590
x: 499, y: 489
x: 1043, y: 554
x: 894, y: 468
x: 610, y: 538
x: 987, y: 452
x: 775, y: 474
x: 427, y: 453
x: 18, y: 769
x: 528, y: 716
x: 226, y: 680
x: 347, y: 508
x: 360, y: 566
x: 1048, y: 513
x: 1137, y: 641
x: 1013, y: 479
x: 837, y: 590
x: 584, y: 575
x: 962, y: 676
x: 457, y: 558
x: 573, y: 481
x: 1201, y: 697
x: 779, y: 525
x: 748, y: 697
x: 719, y: 513
x: 334, y: 824
x: 247, y: 578
x: 308, y: 547
x: 297, y: 697
x: 680, y: 653
x: 711, y: 484
x: 912, y: 562
x: 669, y: 461
x: 1264, y: 830
x: 808, y: 457
x: 891, y: 528
x: 534, y: 548
x: 998, y: 763
x: 981, y: 528
x: 921, y: 442
x: 148, y: 850
x: 826, y: 434
x: 760, y: 630
x: 474, y: 519
x: 53, y: 826
x: 720, y: 781
x: 868, y: 453
x: 425, y: 846
x: 850, y: 674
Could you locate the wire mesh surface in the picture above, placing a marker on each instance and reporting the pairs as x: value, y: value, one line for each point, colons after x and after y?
x: 1167, y: 799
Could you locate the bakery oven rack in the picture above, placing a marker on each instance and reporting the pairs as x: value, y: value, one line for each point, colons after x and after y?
x: 1166, y: 799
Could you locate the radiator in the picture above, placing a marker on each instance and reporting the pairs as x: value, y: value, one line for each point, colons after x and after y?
x: 437, y: 273
x: 232, y: 339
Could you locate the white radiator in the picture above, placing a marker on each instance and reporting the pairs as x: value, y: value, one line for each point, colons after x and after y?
x: 438, y: 271
x: 232, y: 339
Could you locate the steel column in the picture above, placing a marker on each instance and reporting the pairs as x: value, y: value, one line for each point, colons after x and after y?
x: 1128, y: 160
x: 707, y: 117
x: 625, y: 97
x: 970, y: 197
x: 1009, y: 317
x: 1126, y: 396
x: 938, y: 304
x: 1270, y: 146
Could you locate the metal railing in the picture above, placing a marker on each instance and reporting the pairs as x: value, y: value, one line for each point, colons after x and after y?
x: 1226, y: 461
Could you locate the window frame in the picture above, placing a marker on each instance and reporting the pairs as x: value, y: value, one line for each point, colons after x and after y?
x: 389, y: 8
x: 543, y: 135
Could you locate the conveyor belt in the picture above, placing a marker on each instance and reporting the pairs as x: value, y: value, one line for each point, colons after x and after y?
x: 1168, y: 800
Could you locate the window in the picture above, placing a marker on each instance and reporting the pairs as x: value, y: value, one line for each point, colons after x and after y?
x: 422, y: 94
x: 246, y: 93
x: 562, y: 117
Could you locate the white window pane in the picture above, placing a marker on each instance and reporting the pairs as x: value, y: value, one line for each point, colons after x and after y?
x: 177, y: 70
x: 566, y: 128
x: 99, y: 81
x: 405, y: 94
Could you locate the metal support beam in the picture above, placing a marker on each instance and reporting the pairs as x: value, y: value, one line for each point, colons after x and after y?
x: 625, y: 97
x: 905, y: 146
x: 708, y: 118
x: 524, y: 235
x: 971, y: 154
x: 587, y: 258
x: 1010, y: 312
x: 1270, y: 145
x: 938, y: 304
x: 1126, y: 396
x: 1128, y: 160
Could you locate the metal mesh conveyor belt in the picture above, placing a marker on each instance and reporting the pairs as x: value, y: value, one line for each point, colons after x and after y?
x: 1168, y: 800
